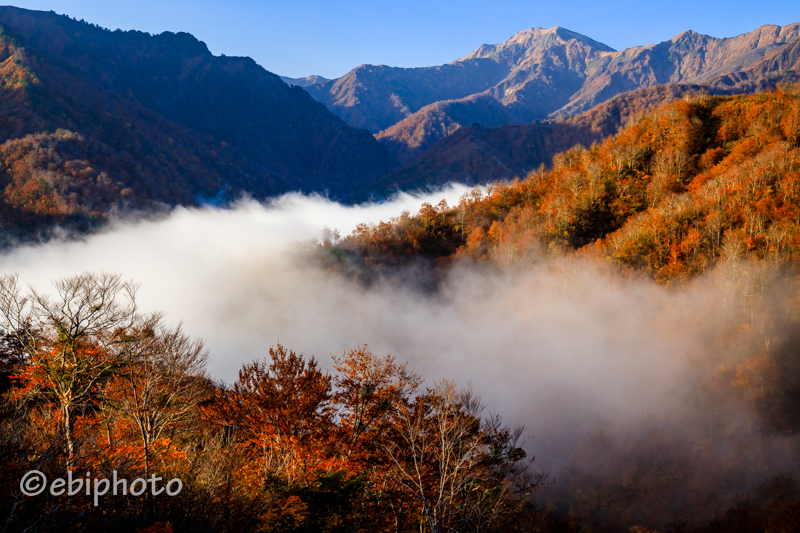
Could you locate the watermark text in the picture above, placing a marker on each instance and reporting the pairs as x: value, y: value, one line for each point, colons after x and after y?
x: 34, y: 483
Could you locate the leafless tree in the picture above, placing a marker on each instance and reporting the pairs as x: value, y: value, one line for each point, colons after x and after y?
x: 73, y: 342
x: 465, y: 474
x: 160, y: 387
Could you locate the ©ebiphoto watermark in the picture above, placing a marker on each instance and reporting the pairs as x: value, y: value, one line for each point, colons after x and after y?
x: 34, y: 483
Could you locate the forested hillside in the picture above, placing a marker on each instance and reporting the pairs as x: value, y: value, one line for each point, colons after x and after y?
x: 697, y: 180
x: 98, y: 119
x: 702, y: 192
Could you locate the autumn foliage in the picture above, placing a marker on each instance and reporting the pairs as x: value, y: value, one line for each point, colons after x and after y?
x: 700, y: 179
x: 701, y: 185
x: 704, y: 190
x: 93, y: 385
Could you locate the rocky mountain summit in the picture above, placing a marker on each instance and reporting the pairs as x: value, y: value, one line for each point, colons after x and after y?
x: 542, y: 74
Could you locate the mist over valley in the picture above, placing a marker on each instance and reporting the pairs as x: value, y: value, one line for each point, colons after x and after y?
x: 568, y: 348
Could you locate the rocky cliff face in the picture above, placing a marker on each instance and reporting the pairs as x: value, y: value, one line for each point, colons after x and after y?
x: 686, y: 58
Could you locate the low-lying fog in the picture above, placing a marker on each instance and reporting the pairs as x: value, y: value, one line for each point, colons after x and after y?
x: 561, y: 348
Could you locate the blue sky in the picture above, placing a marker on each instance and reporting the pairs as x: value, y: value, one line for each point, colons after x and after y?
x: 301, y: 37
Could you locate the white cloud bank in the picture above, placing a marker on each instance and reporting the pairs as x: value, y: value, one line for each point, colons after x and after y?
x: 560, y: 348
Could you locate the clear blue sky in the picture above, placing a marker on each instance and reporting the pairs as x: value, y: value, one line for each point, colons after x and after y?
x: 329, y: 37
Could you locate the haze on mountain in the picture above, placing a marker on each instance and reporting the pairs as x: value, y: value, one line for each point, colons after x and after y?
x: 304, y: 82
x: 539, y: 74
x: 100, y: 120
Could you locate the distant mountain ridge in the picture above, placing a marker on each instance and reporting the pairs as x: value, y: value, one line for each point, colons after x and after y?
x: 689, y: 57
x: 536, y: 74
x: 304, y: 82
x: 376, y: 97
x: 477, y: 154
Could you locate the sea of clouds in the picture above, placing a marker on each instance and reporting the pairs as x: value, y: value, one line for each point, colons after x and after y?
x: 563, y: 347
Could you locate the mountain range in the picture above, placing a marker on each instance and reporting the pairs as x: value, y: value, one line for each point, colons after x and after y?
x: 93, y: 121
x: 542, y: 74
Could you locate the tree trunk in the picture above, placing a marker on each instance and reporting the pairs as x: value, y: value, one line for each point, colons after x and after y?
x: 146, y: 446
x: 69, y: 426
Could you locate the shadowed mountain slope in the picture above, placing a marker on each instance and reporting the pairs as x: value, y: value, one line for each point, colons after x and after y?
x: 476, y: 154
x: 155, y: 119
x: 416, y: 133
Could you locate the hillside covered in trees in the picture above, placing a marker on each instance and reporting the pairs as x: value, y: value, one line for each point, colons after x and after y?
x: 702, y: 191
x: 92, y: 385
x: 696, y: 181
x: 99, y: 120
